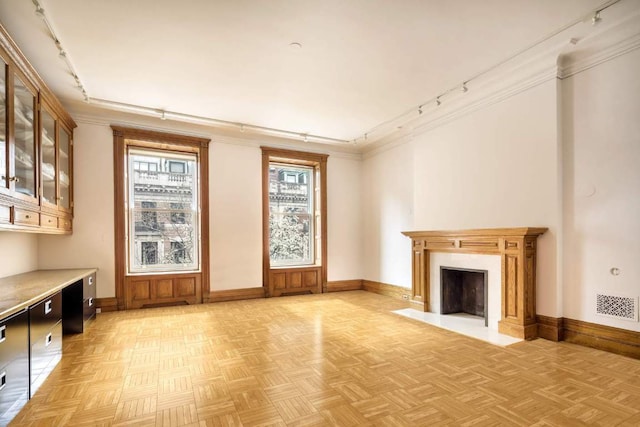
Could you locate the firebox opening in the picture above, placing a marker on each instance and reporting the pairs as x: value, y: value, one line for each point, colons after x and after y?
x: 463, y: 290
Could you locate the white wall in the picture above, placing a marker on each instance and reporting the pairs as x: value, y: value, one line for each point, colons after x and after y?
x: 18, y: 253
x: 387, y: 201
x: 601, y: 112
x: 91, y: 244
x: 235, y: 210
x: 344, y: 222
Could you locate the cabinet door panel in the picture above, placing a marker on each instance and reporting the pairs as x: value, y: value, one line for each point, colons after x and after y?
x: 3, y: 126
x: 64, y: 177
x: 48, y: 166
x: 24, y: 150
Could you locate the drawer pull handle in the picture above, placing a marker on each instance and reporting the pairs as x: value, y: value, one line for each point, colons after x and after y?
x: 47, y: 307
x: 3, y: 380
x: 27, y: 216
x: 3, y: 333
x: 48, y: 340
x: 90, y: 302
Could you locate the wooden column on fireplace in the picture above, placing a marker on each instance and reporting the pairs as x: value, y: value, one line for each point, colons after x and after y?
x: 517, y: 250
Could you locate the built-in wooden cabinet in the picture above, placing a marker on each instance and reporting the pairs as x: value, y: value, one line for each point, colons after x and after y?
x: 36, y: 149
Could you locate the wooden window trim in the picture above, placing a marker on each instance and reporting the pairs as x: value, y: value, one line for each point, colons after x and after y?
x: 168, y: 141
x: 298, y: 158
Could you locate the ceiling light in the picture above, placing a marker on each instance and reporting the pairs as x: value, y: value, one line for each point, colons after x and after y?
x: 596, y: 18
x: 40, y: 11
x: 295, y: 45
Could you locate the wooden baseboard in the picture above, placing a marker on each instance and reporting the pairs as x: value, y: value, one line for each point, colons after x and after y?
x: 614, y: 340
x: 236, y: 294
x: 388, y: 290
x: 107, y: 304
x: 550, y: 328
x: 343, y: 285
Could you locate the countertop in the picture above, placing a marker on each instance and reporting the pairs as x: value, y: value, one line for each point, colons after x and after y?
x: 23, y: 290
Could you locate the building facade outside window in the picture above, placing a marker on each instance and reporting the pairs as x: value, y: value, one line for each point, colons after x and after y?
x: 163, y: 215
x: 291, y: 210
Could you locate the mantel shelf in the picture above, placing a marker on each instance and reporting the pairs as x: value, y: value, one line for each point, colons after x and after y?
x: 479, y: 232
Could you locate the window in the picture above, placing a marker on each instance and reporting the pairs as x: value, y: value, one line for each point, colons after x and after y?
x: 158, y: 203
x: 147, y: 218
x: 161, y: 227
x: 294, y: 215
x: 177, y: 167
x: 178, y: 213
x: 179, y: 253
x: 149, y: 252
x: 291, y: 208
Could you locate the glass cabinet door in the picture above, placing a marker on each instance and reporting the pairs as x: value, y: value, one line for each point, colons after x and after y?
x: 24, y: 153
x: 64, y: 176
x: 48, y: 157
x: 3, y: 125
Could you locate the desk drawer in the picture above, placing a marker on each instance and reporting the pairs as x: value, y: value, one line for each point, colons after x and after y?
x: 14, y: 388
x: 64, y: 224
x: 48, y: 221
x: 25, y: 217
x: 14, y: 337
x: 46, y: 352
x: 44, y: 315
x: 89, y: 286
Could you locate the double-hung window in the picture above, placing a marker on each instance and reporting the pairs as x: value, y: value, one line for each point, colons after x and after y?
x: 161, y: 218
x: 294, y: 221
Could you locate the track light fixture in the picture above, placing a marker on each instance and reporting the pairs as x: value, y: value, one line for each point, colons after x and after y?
x: 39, y: 11
x: 438, y: 102
x: 464, y: 87
x: 420, y: 109
x: 596, y: 18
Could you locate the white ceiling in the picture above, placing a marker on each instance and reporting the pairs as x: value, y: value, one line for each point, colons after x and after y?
x: 362, y: 62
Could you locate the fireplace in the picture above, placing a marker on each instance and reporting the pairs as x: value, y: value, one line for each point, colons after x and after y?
x: 464, y: 290
x: 516, y: 249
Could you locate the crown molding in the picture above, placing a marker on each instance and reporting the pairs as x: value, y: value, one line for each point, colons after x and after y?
x: 105, y: 118
x: 577, y: 49
x: 573, y: 65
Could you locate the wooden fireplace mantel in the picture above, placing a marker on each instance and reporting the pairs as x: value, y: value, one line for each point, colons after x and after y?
x: 517, y: 250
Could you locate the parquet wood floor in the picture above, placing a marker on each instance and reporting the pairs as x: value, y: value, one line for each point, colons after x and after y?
x: 334, y: 359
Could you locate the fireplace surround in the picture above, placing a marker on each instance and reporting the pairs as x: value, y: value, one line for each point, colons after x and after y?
x: 517, y: 250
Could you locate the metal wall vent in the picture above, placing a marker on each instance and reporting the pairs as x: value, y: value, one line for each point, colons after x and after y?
x: 620, y: 307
